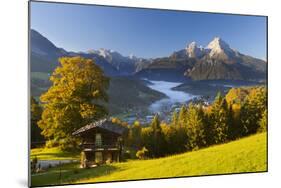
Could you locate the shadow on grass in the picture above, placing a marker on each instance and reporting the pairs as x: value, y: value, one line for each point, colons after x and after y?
x: 51, y: 155
x: 56, y: 155
x: 69, y: 174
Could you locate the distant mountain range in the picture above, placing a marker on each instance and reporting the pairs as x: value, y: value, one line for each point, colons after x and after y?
x: 217, y: 61
x: 44, y: 57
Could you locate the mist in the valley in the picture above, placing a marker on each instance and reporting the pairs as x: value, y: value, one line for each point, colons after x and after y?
x: 173, y: 96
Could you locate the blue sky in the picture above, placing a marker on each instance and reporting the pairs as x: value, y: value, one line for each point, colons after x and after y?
x: 144, y: 32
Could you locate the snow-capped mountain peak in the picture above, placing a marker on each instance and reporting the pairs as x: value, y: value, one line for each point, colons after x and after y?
x: 192, y: 45
x: 194, y: 51
x: 132, y: 56
x: 107, y: 54
x: 219, y: 48
x: 218, y: 44
x: 104, y: 52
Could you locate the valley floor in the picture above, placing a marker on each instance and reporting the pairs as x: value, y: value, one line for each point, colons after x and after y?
x: 244, y: 155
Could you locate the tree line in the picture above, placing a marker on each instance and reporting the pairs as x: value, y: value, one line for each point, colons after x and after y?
x: 242, y: 112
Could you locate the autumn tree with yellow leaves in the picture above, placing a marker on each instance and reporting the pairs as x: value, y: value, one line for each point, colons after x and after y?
x: 78, y: 89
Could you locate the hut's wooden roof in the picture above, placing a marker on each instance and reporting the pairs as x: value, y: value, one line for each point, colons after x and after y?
x: 103, y: 124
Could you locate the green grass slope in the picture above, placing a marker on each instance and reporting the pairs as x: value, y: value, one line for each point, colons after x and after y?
x: 245, y: 155
x: 53, y: 154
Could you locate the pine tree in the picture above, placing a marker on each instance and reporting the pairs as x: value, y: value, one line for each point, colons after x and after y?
x: 147, y: 140
x: 195, y: 127
x: 263, y: 122
x: 136, y: 134
x: 177, y: 137
x: 232, y: 130
x: 252, y: 109
x: 235, y: 128
x: 219, y: 120
x: 158, y: 139
x: 182, y: 117
x: 174, y: 121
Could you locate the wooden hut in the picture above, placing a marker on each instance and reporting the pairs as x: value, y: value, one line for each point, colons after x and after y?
x: 101, y: 142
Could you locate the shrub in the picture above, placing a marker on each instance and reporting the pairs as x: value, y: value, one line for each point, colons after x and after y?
x: 108, y: 161
x: 68, y: 144
x: 141, y: 154
x: 127, y: 154
x: 51, y: 143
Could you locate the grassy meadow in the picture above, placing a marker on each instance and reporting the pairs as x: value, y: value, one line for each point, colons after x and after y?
x: 244, y: 155
x: 53, y: 154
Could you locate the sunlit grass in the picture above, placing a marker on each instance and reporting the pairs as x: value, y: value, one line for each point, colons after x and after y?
x: 53, y: 154
x: 245, y: 155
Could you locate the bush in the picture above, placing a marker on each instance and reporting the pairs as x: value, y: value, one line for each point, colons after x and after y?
x: 64, y: 144
x: 108, y: 161
x: 141, y: 154
x: 129, y: 153
x: 51, y: 143
x: 68, y: 144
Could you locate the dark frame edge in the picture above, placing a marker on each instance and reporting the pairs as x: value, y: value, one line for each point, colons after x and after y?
x: 29, y: 95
